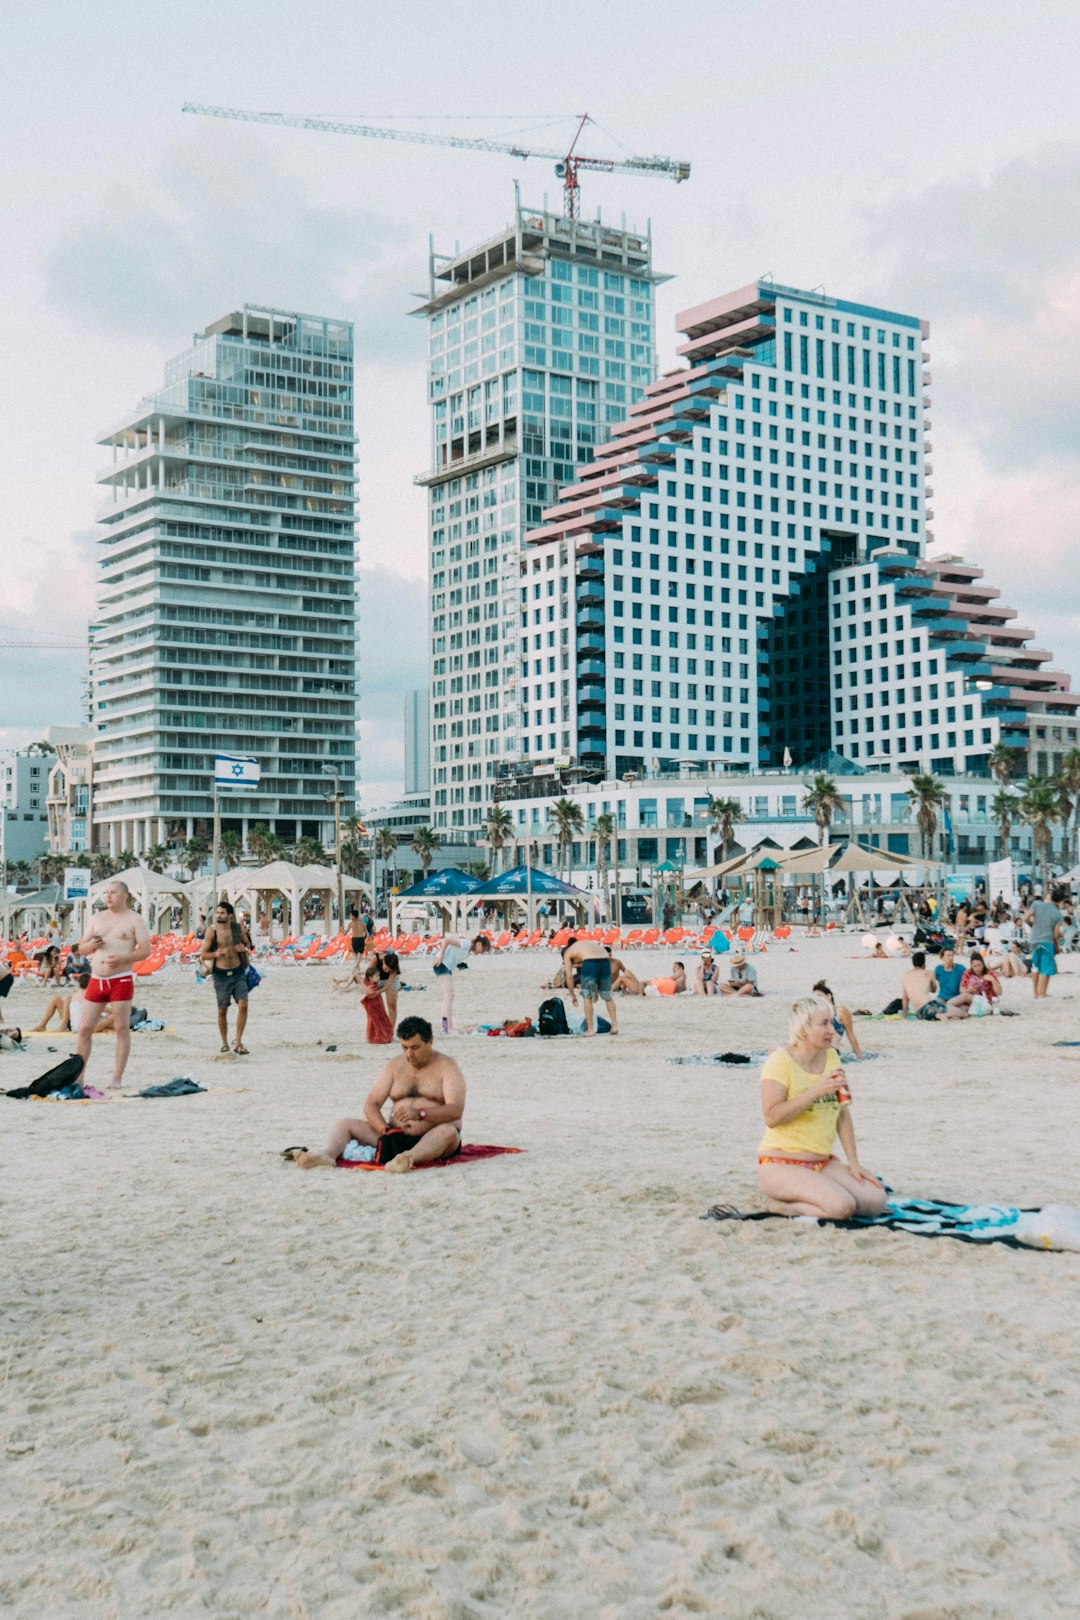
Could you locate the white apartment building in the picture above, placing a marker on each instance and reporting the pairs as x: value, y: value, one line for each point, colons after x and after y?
x: 538, y: 342
x: 24, y: 791
x: 226, y: 618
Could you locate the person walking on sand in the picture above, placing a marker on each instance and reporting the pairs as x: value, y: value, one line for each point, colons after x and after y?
x: 593, y: 966
x: 226, y: 949
x: 806, y: 1104
x: 380, y: 1031
x: 1044, y: 921
x: 116, y: 939
x: 426, y: 1093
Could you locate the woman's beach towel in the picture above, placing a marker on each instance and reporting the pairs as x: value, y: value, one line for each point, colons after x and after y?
x: 924, y: 1217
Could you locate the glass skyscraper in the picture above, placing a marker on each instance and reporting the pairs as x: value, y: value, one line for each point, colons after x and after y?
x: 226, y: 617
x: 539, y: 341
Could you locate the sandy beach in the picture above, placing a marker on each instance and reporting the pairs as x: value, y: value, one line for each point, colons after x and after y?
x: 539, y: 1386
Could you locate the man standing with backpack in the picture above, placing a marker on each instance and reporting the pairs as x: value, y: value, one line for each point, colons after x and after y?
x: 226, y: 949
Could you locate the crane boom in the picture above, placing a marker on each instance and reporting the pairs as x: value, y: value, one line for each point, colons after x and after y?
x: 567, y: 163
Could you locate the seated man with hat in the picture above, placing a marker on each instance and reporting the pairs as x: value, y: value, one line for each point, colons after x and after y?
x: 742, y: 980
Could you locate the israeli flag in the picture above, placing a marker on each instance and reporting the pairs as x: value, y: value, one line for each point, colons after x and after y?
x: 238, y: 772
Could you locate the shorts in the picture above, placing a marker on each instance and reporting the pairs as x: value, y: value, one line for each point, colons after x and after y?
x: 356, y: 944
x: 440, y: 970
x: 804, y: 1164
x: 229, y: 986
x: 402, y: 1142
x: 595, y: 977
x: 931, y: 1010
x: 119, y: 988
x: 1042, y: 960
x: 6, y: 982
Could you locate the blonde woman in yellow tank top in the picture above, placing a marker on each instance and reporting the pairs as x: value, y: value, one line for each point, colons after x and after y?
x: 806, y: 1104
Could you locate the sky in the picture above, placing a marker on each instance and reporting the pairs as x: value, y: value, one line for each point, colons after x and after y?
x: 916, y: 155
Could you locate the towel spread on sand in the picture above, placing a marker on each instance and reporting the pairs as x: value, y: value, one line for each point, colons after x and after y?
x: 971, y: 1223
x: 469, y: 1154
x: 727, y: 1060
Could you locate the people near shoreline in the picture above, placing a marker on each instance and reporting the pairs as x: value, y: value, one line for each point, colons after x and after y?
x: 426, y: 1093
x: 707, y: 977
x: 1044, y: 921
x: 806, y: 1105
x: 843, y: 1022
x: 225, y: 950
x: 979, y: 989
x: 590, y: 962
x: 919, y: 990
x: 741, y: 980
x: 116, y: 939
x: 380, y: 1031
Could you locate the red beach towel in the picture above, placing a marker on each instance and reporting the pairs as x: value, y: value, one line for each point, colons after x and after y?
x: 468, y: 1155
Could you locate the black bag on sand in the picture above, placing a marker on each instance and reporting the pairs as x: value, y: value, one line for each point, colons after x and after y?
x: 64, y: 1074
x: 391, y: 1143
x: 893, y: 1008
x: 551, y: 1019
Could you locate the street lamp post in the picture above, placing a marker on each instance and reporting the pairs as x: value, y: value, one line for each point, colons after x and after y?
x: 330, y: 770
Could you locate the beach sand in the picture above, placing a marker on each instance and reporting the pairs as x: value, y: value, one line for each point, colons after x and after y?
x: 539, y: 1386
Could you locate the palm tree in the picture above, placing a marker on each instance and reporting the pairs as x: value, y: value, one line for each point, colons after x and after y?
x: 1040, y: 807
x: 195, y: 852
x: 497, y: 830
x: 604, y: 832
x: 824, y: 802
x: 479, y: 869
x: 309, y: 851
x: 127, y: 858
x: 1004, y: 807
x: 566, y: 821
x: 383, y: 845
x: 723, y: 816
x: 102, y: 866
x: 355, y: 853
x: 232, y: 848
x: 264, y: 845
x: 20, y: 873
x: 926, y: 795
x: 1002, y: 762
x: 1068, y: 777
x: 157, y: 857
x: 425, y: 842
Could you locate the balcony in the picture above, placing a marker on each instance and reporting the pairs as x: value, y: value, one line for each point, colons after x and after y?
x: 591, y: 642
x: 592, y: 669
x: 590, y: 619
x: 589, y: 590
x: 592, y: 698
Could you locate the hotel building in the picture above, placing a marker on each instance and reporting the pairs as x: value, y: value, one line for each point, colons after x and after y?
x: 738, y: 579
x: 539, y: 341
x: 226, y: 617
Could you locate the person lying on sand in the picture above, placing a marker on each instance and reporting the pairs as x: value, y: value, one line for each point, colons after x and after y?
x: 806, y: 1104
x: 1012, y: 964
x: 624, y: 982
x: 426, y: 1093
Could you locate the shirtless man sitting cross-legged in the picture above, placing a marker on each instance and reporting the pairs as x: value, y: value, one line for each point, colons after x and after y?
x: 426, y: 1092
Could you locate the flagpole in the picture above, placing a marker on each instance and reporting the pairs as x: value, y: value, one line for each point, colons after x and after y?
x: 216, y: 846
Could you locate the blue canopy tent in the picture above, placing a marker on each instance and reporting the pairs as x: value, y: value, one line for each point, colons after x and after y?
x: 446, y: 891
x: 526, y: 885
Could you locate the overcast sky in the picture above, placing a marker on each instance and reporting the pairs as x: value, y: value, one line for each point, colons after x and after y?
x: 911, y: 153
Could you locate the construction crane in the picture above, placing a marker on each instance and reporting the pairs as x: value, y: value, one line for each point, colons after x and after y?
x: 567, y: 164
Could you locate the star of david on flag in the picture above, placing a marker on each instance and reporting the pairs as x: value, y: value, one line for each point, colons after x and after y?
x: 237, y: 772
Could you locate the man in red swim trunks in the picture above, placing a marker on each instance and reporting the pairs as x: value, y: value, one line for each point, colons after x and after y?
x: 116, y: 939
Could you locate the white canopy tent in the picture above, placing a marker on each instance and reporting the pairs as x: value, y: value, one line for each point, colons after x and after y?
x: 255, y: 888
x: 152, y: 892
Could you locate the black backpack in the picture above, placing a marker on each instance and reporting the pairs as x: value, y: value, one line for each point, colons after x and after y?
x: 551, y: 1019
x: 65, y: 1073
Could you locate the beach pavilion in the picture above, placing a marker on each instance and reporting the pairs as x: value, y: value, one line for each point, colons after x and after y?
x: 445, y: 892
x: 257, y: 887
x: 524, y: 886
x: 152, y: 892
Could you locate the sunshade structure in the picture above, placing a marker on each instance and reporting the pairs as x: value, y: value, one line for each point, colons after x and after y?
x: 524, y: 886
x: 152, y: 892
x: 764, y: 857
x: 30, y: 912
x: 445, y: 892
x: 849, y: 857
x: 256, y: 888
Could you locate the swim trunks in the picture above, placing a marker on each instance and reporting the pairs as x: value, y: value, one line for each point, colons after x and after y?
x: 595, y: 976
x: 1042, y: 960
x: 230, y: 984
x: 357, y: 943
x: 119, y: 988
